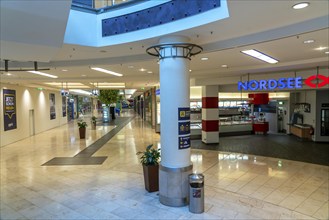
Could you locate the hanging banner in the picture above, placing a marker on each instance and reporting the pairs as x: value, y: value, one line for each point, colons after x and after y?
x: 9, y: 109
x: 52, y: 106
x: 64, y: 106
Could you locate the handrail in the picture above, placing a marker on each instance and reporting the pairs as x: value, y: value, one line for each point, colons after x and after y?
x: 100, y: 6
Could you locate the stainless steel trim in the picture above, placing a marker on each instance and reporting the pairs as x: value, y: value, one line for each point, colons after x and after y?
x: 173, y: 202
x: 176, y: 170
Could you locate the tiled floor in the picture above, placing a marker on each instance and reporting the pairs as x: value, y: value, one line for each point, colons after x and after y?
x: 237, y: 186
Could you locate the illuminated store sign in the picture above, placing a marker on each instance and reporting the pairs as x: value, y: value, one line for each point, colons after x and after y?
x: 283, y: 83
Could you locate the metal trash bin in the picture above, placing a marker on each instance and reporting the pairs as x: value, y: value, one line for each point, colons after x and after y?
x: 196, y: 195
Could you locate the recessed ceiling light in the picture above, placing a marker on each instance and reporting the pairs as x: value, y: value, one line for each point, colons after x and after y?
x: 190, y: 70
x: 142, y: 69
x: 149, y: 72
x: 42, y: 74
x: 83, y: 75
x: 301, y: 5
x: 327, y: 52
x: 309, y: 41
x: 130, y: 67
x: 321, y: 48
x: 259, y: 55
x: 204, y: 58
x: 106, y: 71
x: 224, y: 66
x: 8, y: 74
x: 64, y: 70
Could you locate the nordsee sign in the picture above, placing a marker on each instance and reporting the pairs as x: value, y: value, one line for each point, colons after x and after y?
x: 315, y: 81
x: 282, y: 83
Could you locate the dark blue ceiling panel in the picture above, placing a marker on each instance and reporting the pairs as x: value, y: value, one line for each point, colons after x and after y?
x: 160, y: 14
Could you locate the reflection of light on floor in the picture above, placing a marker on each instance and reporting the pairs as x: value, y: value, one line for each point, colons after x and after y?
x: 72, y: 139
x: 196, y: 158
x: 232, y: 157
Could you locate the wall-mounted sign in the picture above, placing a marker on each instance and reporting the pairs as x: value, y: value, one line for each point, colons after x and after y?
x: 183, y: 114
x: 64, y: 106
x: 184, y: 142
x: 157, y: 92
x: 325, y: 105
x: 271, y: 84
x: 315, y: 81
x: 52, y: 106
x: 183, y: 128
x: 9, y: 109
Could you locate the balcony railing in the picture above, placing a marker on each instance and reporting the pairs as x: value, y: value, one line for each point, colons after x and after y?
x: 98, y: 4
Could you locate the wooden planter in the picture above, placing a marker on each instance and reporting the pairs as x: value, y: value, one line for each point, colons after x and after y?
x: 151, y: 177
x: 82, y: 132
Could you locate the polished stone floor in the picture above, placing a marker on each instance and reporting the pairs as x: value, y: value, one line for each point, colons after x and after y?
x: 272, y: 145
x: 237, y: 185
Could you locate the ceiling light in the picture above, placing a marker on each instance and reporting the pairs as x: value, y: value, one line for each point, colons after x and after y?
x: 9, y: 74
x: 327, y: 52
x: 142, y: 69
x: 309, y: 41
x: 130, y: 67
x: 64, y: 70
x: 80, y: 91
x: 300, y: 5
x: 321, y: 48
x: 190, y: 70
x: 43, y: 74
x: 204, y: 58
x: 149, y: 72
x: 83, y: 75
x: 106, y: 71
x: 259, y: 55
x: 224, y: 66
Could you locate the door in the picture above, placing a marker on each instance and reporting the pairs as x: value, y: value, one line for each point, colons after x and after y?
x: 31, y: 122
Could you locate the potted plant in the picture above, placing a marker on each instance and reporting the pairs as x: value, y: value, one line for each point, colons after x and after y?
x: 93, y: 122
x: 150, y: 160
x: 109, y: 98
x: 82, y: 128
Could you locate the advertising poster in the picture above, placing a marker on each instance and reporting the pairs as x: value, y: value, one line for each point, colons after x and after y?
x: 64, y: 106
x: 52, y: 106
x: 9, y: 109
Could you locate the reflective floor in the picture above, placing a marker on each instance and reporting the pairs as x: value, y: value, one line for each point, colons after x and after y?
x: 237, y: 186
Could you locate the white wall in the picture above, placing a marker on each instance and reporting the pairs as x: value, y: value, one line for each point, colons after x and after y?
x: 26, y: 100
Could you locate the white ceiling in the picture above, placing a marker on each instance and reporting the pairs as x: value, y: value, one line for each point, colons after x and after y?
x: 272, y: 27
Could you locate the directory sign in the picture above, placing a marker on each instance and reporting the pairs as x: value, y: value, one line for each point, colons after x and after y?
x: 183, y: 114
x: 184, y: 142
x: 184, y: 128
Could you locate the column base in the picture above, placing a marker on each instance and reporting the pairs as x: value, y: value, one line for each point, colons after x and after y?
x: 173, y: 185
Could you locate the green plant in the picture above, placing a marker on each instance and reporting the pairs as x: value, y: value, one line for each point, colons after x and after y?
x: 108, y: 97
x: 93, y: 119
x: 150, y: 156
x: 82, y: 123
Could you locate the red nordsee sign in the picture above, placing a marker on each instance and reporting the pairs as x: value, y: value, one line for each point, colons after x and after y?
x: 324, y: 79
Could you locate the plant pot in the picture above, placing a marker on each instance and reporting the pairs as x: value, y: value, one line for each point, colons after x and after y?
x: 82, y: 132
x: 151, y: 177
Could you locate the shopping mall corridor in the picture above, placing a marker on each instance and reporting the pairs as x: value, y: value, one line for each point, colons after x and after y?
x: 237, y: 186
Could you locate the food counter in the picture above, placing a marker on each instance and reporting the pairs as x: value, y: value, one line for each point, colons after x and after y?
x: 301, y: 130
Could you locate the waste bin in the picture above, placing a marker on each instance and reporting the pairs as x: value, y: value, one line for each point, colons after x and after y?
x: 196, y: 196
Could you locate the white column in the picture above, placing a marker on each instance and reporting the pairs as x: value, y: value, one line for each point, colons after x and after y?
x: 174, y: 53
x: 175, y: 94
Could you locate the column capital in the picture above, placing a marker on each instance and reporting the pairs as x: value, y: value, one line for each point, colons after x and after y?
x: 174, y: 50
